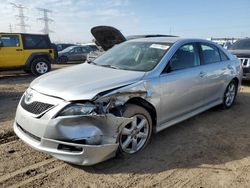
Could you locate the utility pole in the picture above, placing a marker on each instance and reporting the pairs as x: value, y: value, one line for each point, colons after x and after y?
x: 21, y: 17
x: 46, y: 20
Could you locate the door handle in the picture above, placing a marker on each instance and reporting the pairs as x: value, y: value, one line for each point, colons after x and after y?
x: 202, y: 74
x: 19, y: 50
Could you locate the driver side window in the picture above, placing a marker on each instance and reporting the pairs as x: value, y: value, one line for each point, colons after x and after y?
x: 185, y: 57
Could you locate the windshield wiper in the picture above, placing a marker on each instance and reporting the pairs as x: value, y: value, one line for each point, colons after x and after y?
x: 110, y: 66
x: 91, y: 62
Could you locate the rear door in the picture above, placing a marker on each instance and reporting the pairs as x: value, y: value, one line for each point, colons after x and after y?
x: 77, y: 54
x: 182, y: 84
x: 74, y: 54
x: 11, y: 53
x: 85, y: 51
x: 214, y: 65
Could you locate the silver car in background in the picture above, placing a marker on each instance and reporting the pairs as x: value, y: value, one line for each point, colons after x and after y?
x: 88, y: 113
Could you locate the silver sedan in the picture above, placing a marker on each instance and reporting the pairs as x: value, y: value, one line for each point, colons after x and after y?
x: 88, y: 113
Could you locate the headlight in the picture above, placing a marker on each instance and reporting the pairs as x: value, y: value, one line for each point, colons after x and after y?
x: 77, y: 109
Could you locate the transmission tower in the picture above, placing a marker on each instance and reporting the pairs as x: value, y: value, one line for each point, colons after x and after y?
x: 21, y: 17
x: 46, y: 20
x: 10, y: 26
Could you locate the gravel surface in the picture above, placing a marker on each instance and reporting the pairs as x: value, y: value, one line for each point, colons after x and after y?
x: 209, y: 150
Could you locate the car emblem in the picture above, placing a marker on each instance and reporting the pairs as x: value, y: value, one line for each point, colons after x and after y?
x: 28, y: 98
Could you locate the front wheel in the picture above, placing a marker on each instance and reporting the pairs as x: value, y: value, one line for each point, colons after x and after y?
x: 135, y: 135
x: 63, y: 60
x: 40, y: 66
x: 230, y: 94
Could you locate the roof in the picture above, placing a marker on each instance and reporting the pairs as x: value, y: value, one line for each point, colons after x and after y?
x: 23, y: 34
x: 170, y: 40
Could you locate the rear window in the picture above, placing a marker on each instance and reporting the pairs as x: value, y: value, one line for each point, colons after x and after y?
x: 36, y: 42
x: 210, y: 53
x: 10, y: 40
x: 223, y: 56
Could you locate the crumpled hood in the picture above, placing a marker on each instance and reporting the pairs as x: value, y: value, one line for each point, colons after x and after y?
x: 83, y: 82
x: 241, y: 53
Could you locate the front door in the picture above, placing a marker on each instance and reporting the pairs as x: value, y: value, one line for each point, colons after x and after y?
x: 11, y: 51
x: 182, y: 84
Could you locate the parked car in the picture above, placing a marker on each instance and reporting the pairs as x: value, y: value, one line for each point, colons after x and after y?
x: 74, y: 54
x: 30, y: 52
x: 87, y: 113
x: 106, y: 37
x: 62, y: 46
x: 91, y: 45
x: 241, y: 49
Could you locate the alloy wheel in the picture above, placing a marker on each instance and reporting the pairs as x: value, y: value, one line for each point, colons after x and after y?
x: 230, y: 94
x: 134, y: 135
x: 41, y: 67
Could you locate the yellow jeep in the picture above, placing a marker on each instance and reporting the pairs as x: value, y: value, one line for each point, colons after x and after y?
x: 32, y: 52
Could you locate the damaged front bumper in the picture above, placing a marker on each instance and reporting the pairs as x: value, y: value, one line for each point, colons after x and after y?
x: 70, y: 152
x: 81, y: 140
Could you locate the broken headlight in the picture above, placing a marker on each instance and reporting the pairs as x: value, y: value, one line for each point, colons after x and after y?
x: 78, y: 109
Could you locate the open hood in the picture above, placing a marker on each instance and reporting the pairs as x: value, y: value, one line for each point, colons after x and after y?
x: 107, y: 36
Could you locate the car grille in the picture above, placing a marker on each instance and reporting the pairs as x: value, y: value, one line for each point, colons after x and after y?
x: 36, y: 107
x: 244, y: 62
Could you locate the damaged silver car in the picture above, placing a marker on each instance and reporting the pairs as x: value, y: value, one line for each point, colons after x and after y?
x: 88, y: 113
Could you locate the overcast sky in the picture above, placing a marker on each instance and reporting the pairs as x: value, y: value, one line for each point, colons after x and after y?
x: 73, y: 19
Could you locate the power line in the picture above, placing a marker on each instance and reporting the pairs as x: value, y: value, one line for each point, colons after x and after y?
x: 21, y: 17
x: 46, y: 20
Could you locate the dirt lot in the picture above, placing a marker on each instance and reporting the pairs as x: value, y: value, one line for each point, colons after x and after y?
x: 209, y: 150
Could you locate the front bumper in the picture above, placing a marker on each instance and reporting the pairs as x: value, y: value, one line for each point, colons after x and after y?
x: 86, y: 154
x: 81, y: 140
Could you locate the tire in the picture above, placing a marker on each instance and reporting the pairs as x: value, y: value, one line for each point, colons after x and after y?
x: 133, y: 138
x: 40, y: 66
x: 230, y: 95
x: 63, y: 60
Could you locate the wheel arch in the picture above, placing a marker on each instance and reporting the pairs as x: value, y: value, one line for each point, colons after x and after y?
x: 147, y: 106
x: 34, y: 56
x: 237, y: 82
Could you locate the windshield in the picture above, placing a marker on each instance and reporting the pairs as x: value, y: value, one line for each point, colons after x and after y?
x: 68, y: 49
x: 136, y: 56
x: 241, y: 45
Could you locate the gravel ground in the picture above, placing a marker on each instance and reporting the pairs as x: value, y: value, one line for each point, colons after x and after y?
x: 208, y: 150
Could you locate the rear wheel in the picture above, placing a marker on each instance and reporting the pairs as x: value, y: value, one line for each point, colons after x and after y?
x: 135, y: 135
x: 40, y: 66
x: 230, y: 94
